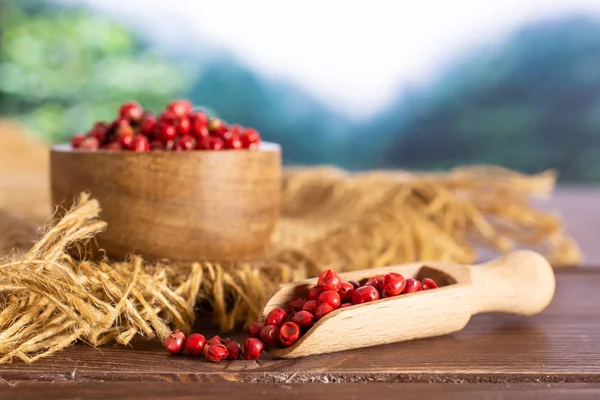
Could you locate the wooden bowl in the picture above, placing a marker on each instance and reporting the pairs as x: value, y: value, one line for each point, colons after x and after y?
x: 185, y: 206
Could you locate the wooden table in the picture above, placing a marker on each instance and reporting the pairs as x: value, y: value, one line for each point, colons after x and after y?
x: 553, y: 355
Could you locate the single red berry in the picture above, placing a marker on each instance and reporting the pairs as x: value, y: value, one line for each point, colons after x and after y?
x: 99, y: 131
x: 393, y: 283
x: 194, y: 344
x: 344, y: 305
x: 322, y: 310
x: 201, y: 133
x: 234, y: 349
x: 168, y: 117
x: 355, y: 284
x: 100, y: 126
x: 126, y: 141
x: 329, y: 280
x: 412, y: 285
x: 376, y: 283
x: 233, y: 142
x: 216, y: 352
x: 313, y: 293
x: 428, y: 283
x: 113, y: 146
x: 90, y: 143
x: 175, y: 342
x: 199, y: 124
x: 296, y: 304
x: 303, y: 318
x: 330, y: 297
x: 140, y: 144
x: 180, y: 108
x: 236, y: 129
x: 250, y: 133
x: 289, y: 333
x: 252, y: 348
x: 346, y: 291
x: 363, y: 282
x: 310, y: 306
x: 365, y: 294
x: 131, y: 111
x: 222, y: 132
x: 166, y: 132
x: 215, y: 340
x: 76, y: 140
x: 204, y: 143
x: 270, y: 335
x: 276, y: 317
x: 185, y: 143
x: 183, y: 126
x: 250, y: 138
x: 210, y: 143
x: 148, y: 124
x: 254, y: 329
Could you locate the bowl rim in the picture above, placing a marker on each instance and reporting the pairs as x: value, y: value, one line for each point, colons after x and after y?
x: 66, y: 148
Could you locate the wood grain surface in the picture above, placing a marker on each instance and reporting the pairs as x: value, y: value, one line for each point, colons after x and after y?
x: 185, y: 206
x: 353, y: 391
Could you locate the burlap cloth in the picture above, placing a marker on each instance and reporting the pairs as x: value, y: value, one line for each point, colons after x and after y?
x: 330, y: 218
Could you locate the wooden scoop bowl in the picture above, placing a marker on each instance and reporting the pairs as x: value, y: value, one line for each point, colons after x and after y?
x: 518, y: 283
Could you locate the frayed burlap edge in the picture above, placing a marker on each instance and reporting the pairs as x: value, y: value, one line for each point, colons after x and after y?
x: 381, y: 218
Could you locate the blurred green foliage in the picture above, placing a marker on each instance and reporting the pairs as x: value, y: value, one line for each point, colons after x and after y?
x: 62, y: 68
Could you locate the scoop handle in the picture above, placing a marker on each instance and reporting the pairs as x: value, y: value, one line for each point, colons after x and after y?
x: 520, y: 283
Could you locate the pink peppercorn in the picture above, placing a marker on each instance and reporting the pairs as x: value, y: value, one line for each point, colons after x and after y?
x: 365, y: 294
x: 253, y: 347
x: 329, y: 280
x: 412, y: 285
x: 276, y: 317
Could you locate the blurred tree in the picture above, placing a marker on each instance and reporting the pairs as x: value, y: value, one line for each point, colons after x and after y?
x: 62, y: 68
x: 531, y: 103
x: 281, y: 111
x: 2, y: 9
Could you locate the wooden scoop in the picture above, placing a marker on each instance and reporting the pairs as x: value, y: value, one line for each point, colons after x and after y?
x: 518, y: 283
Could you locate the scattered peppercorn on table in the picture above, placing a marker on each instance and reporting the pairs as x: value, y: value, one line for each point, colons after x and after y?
x: 550, y: 355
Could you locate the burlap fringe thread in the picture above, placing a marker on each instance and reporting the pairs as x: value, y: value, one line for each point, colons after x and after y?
x: 329, y: 219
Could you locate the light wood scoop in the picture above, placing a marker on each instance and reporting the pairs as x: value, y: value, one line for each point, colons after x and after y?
x: 520, y: 283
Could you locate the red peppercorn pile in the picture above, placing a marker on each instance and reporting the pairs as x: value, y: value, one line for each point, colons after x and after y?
x: 177, y: 128
x: 283, y: 328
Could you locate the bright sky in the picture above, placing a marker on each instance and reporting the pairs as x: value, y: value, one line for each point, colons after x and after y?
x: 353, y: 54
